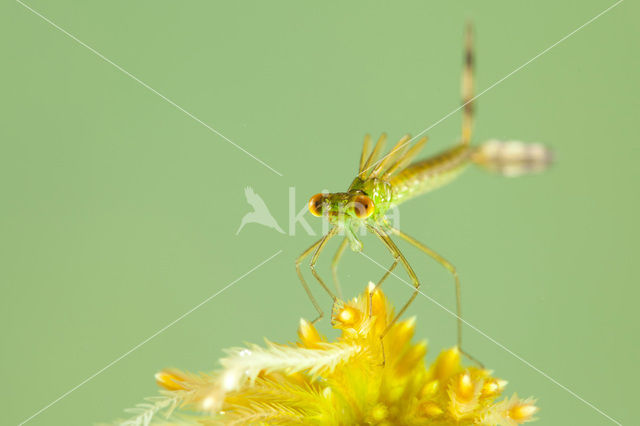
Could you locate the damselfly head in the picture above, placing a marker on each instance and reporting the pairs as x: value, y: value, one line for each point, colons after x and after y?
x: 342, y: 206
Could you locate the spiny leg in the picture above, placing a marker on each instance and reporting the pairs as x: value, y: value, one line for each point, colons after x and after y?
x: 304, y: 282
x: 398, y: 256
x: 452, y: 269
x: 334, y: 266
x: 467, y: 87
x: 312, y: 266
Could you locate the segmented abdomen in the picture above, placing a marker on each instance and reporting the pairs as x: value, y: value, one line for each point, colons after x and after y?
x: 429, y: 174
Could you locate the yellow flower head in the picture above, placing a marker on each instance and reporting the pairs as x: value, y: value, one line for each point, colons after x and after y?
x: 358, y: 379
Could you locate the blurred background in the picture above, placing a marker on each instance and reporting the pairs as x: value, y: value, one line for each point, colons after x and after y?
x: 119, y: 212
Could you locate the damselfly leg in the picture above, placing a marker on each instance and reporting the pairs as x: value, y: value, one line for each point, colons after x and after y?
x: 452, y: 269
x: 316, y: 248
x: 334, y: 266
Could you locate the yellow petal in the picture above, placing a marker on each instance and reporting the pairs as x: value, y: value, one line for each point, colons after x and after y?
x: 431, y: 409
x: 411, y: 358
x: 170, y: 379
x: 308, y: 334
x: 399, y: 336
x: 447, y: 364
x: 429, y: 389
x: 493, y: 387
x: 522, y: 412
x: 465, y: 387
x: 378, y: 306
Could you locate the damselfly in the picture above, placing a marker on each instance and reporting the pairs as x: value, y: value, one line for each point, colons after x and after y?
x: 385, y: 182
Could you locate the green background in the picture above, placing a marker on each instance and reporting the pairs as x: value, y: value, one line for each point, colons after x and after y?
x: 119, y: 212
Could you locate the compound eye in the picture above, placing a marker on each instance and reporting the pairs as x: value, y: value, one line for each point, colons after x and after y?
x: 315, y: 205
x: 363, y: 206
